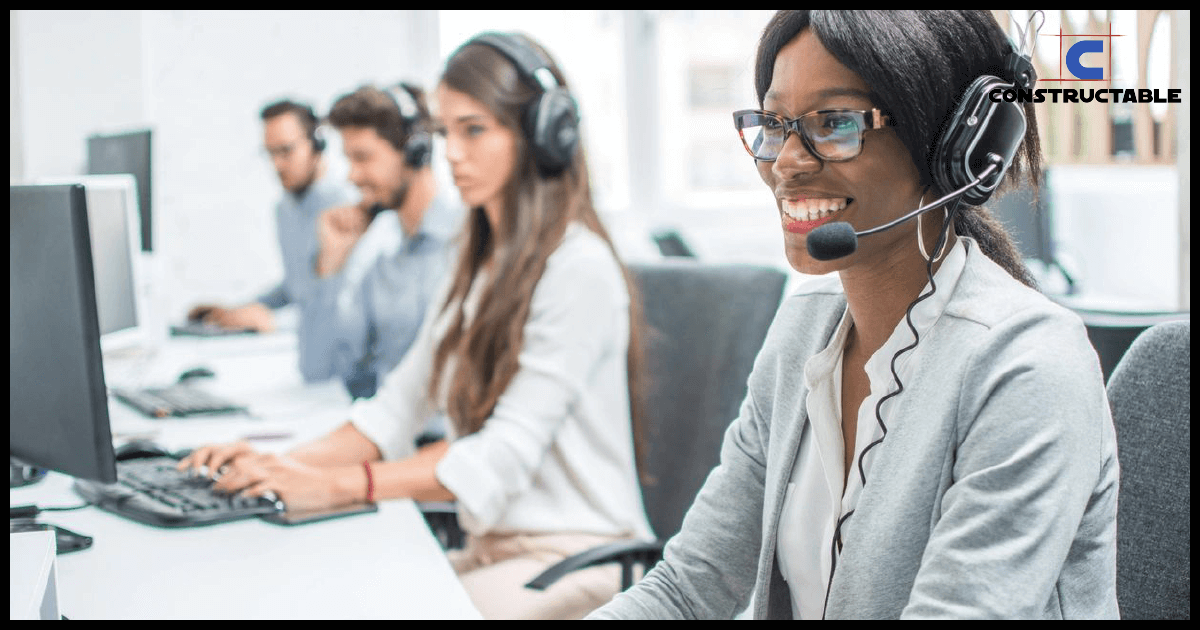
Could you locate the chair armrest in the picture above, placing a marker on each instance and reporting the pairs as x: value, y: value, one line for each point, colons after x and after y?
x: 442, y: 518
x: 627, y: 552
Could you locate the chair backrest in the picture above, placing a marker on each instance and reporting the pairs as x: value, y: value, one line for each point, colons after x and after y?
x: 1148, y: 392
x: 705, y: 325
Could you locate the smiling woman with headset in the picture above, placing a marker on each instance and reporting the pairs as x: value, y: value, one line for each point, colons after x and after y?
x: 924, y: 435
x: 530, y: 350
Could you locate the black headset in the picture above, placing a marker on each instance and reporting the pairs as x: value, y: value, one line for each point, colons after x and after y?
x: 550, y: 121
x: 318, y: 139
x: 979, y: 127
x: 418, y: 149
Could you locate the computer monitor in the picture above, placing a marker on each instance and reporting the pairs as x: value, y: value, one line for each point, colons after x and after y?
x: 127, y: 152
x: 671, y: 243
x: 1029, y: 220
x: 116, y: 260
x: 58, y: 406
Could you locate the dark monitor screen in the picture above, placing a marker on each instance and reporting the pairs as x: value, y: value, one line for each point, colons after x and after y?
x: 58, y: 406
x: 671, y: 243
x: 126, y: 153
x: 1027, y: 218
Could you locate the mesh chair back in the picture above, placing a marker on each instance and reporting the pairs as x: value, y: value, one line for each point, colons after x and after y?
x: 1149, y: 395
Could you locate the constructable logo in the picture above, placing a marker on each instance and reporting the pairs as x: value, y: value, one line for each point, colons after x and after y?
x: 1074, y: 67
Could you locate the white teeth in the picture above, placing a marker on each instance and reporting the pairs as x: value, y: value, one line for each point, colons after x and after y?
x: 813, y: 209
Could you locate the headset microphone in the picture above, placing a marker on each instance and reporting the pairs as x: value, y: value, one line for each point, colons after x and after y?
x: 838, y: 239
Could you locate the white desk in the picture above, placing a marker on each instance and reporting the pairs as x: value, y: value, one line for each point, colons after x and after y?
x: 381, y: 565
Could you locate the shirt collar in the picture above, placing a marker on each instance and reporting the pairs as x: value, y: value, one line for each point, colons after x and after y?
x: 924, y: 315
x: 304, y: 198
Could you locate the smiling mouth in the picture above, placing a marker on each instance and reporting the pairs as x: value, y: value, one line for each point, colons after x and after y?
x: 804, y: 215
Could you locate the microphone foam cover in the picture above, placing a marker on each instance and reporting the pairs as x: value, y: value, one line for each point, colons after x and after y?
x: 832, y: 240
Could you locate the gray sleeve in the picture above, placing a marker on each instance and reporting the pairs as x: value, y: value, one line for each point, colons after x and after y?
x: 1031, y: 450
x: 333, y: 326
x: 275, y: 298
x: 708, y: 569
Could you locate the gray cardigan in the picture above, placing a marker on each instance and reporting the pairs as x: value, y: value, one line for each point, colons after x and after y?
x: 994, y: 494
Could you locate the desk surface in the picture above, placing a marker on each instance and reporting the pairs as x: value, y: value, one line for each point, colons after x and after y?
x: 381, y: 565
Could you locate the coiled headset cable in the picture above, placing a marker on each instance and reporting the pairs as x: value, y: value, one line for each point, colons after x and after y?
x: 836, y: 545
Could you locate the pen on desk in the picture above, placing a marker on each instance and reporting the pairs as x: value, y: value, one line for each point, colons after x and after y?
x: 262, y: 437
x: 135, y: 435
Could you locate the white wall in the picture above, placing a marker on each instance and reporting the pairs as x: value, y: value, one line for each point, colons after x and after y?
x: 1118, y: 228
x: 199, y: 79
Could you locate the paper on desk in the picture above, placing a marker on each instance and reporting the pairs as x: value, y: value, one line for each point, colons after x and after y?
x: 329, y: 397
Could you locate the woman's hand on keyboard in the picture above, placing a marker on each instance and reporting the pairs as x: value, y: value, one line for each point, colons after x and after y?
x: 300, y: 486
x: 207, y: 461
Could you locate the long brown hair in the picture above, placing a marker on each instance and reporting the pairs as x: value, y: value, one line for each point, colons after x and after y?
x: 534, y: 220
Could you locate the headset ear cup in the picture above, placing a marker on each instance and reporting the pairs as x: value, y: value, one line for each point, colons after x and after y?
x: 318, y: 140
x: 552, y: 124
x: 418, y: 150
x: 977, y: 127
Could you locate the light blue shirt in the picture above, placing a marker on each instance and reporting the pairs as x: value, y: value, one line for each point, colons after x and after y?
x: 361, y: 321
x: 296, y: 225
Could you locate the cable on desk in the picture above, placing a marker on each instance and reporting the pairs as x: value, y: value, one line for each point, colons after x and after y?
x: 61, y: 508
x: 30, y: 511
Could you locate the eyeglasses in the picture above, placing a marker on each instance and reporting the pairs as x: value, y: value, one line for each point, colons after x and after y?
x: 281, y: 152
x: 834, y: 135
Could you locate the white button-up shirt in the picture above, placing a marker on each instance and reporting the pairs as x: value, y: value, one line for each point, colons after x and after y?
x: 556, y: 455
x: 817, y: 497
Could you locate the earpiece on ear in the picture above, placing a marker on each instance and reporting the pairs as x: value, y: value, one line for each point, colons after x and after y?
x: 551, y: 120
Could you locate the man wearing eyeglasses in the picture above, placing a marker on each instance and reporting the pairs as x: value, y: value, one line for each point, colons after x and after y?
x: 293, y: 143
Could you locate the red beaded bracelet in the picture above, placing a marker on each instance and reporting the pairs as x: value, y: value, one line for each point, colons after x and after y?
x: 370, y: 482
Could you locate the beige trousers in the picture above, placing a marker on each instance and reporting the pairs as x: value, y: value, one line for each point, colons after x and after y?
x: 495, y: 568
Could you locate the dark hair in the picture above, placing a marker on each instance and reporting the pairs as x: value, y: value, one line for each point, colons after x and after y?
x: 370, y: 106
x: 917, y: 65
x: 537, y: 210
x: 308, y: 119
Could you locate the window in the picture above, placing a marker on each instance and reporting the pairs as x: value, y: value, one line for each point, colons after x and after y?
x: 706, y: 70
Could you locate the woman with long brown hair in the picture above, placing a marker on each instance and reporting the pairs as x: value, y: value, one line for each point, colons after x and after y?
x: 531, y: 351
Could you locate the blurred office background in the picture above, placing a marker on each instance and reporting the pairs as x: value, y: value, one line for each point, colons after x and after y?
x: 656, y: 89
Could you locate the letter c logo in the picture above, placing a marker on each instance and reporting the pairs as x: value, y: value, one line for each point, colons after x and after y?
x: 1076, y: 51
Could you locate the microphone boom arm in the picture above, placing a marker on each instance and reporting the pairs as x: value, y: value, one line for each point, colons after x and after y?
x: 991, y: 167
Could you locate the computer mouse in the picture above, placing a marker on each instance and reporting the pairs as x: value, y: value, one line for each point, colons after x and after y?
x: 196, y: 372
x: 138, y: 449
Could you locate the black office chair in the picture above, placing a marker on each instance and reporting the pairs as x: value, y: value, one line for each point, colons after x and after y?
x: 1149, y: 392
x: 706, y: 324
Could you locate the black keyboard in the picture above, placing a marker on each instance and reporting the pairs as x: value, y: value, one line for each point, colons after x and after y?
x: 203, y: 329
x: 175, y: 400
x: 152, y: 491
